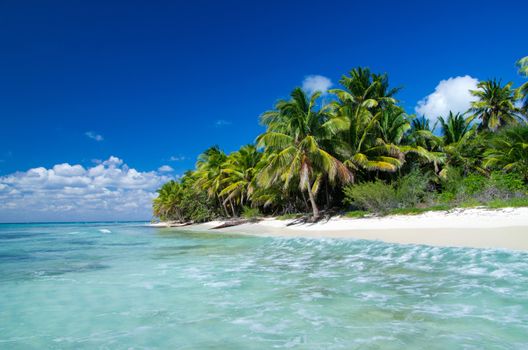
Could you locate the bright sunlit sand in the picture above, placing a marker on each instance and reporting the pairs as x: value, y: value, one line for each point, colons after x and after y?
x: 479, y: 228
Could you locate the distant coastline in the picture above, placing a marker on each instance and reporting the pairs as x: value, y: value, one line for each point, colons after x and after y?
x: 505, y: 228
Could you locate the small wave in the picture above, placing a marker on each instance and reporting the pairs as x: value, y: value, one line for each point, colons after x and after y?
x: 104, y: 230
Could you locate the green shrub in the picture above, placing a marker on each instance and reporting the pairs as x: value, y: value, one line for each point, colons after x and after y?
x: 512, y: 182
x: 250, y: 213
x: 413, y: 189
x: 499, y: 186
x: 375, y: 197
x: 451, y: 184
x: 477, y: 189
x: 197, y: 207
x: 474, y: 183
x: 512, y: 202
x: 407, y: 211
x: 447, y: 197
x: 289, y: 216
x: 356, y: 214
x: 470, y: 203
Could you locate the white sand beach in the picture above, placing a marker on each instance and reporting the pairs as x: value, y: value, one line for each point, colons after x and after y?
x: 479, y: 228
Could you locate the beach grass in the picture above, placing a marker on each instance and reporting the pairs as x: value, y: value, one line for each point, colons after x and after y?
x: 356, y: 214
x: 509, y: 203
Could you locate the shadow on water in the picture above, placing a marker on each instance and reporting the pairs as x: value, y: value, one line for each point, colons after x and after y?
x: 81, y: 268
x: 178, y: 242
x: 82, y: 242
x: 49, y: 270
x: 138, y: 244
x: 15, y: 256
x: 190, y: 234
x: 172, y: 251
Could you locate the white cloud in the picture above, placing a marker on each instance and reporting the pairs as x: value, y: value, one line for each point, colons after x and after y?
x: 106, y: 191
x: 66, y: 169
x: 449, y: 95
x: 177, y: 158
x: 222, y: 122
x: 165, y: 169
x: 92, y: 135
x: 313, y: 83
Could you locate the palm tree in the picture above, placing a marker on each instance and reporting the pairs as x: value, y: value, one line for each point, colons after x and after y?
x: 495, y: 106
x: 239, y: 169
x: 362, y: 85
x: 523, y: 89
x: 508, y: 151
x: 209, y: 175
x: 359, y: 111
x: 166, y: 204
x: 458, y: 145
x: 393, y: 124
x: 294, y: 140
x: 455, y: 127
x: 421, y: 134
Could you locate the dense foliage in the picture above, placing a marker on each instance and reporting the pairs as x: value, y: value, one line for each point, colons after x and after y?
x: 362, y: 151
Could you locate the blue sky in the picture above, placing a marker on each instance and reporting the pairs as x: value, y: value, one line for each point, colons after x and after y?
x: 155, y: 83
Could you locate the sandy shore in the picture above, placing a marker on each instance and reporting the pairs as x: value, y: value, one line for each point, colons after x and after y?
x: 480, y: 228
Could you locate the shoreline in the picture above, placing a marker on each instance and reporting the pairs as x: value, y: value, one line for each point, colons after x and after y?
x: 505, y: 228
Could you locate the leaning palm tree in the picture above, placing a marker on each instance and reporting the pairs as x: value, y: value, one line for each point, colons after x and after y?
x: 495, y: 105
x: 166, y: 204
x: 508, y: 151
x: 240, y: 169
x: 209, y: 175
x: 295, y: 140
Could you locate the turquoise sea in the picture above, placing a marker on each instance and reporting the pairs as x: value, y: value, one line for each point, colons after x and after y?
x: 127, y: 286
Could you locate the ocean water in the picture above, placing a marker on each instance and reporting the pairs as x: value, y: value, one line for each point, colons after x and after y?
x: 127, y: 286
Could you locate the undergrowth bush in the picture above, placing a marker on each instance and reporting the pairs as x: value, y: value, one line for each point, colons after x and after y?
x: 379, y: 197
x: 477, y: 189
x: 250, y: 213
x: 289, y: 216
x: 414, y: 189
x: 376, y: 197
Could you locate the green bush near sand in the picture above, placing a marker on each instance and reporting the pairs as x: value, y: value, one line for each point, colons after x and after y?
x: 381, y: 198
x: 289, y: 216
x: 375, y: 197
x: 506, y: 203
x: 250, y: 213
x: 415, y: 193
x: 356, y: 214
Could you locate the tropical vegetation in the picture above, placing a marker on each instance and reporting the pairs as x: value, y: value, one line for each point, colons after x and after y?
x: 357, y: 149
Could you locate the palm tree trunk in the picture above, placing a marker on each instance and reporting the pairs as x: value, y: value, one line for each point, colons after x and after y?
x: 223, y: 206
x: 305, y: 201
x: 232, y: 207
x: 315, y: 210
x: 327, y: 193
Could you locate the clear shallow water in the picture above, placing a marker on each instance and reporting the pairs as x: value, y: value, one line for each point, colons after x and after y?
x: 121, y: 286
